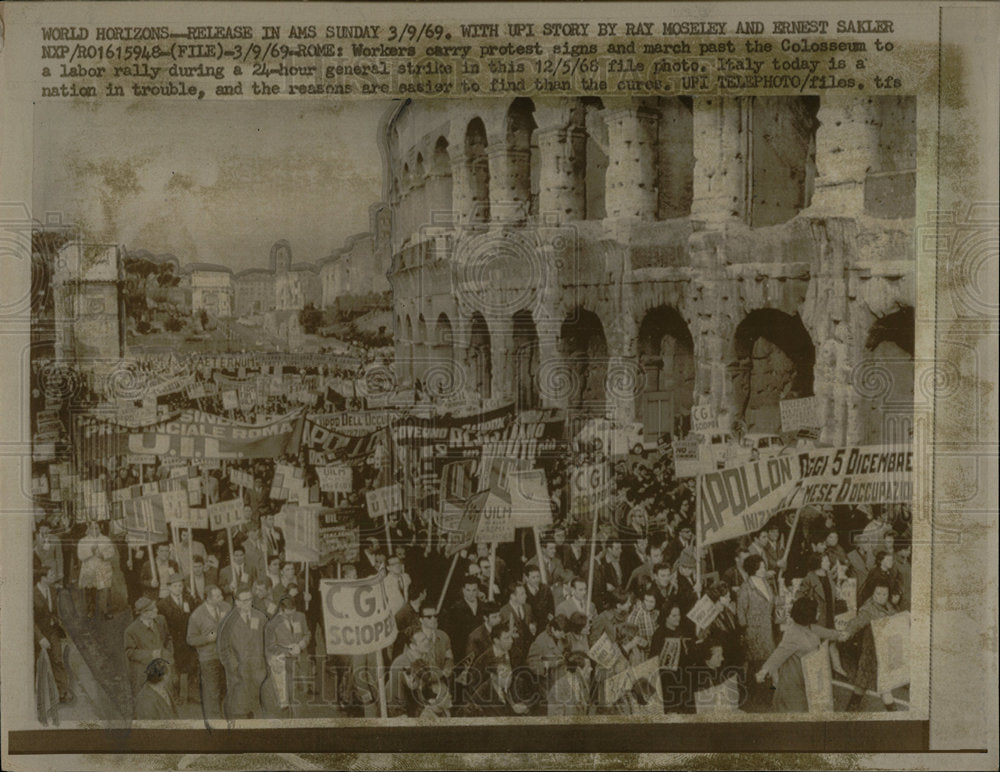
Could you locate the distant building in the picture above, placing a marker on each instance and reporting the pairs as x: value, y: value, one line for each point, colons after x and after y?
x: 361, y: 265
x: 211, y: 289
x: 253, y: 291
x: 295, y: 286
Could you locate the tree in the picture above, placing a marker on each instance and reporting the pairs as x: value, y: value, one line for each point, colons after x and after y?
x: 310, y: 318
x: 142, y: 276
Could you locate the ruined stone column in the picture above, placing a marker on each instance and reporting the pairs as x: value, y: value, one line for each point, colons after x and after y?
x: 510, y: 184
x: 562, y: 187
x: 461, y: 201
x: 630, y: 182
x: 721, y: 146
x: 846, y: 150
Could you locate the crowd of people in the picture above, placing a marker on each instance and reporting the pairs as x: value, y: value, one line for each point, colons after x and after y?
x: 509, y: 630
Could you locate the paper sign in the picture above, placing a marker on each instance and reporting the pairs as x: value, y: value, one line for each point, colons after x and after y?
x: 337, y: 478
x: 703, y: 418
x: 704, y: 612
x: 384, y: 501
x: 530, y: 505
x: 226, y: 514
x: 892, y: 651
x: 606, y: 653
x: 799, y: 414
x: 817, y: 677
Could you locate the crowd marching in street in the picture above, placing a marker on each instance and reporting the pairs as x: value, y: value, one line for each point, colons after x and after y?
x: 625, y: 612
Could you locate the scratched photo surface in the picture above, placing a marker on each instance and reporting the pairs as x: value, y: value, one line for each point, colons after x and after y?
x: 390, y: 389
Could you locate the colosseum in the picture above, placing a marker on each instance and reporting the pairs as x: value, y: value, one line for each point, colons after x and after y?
x: 634, y: 258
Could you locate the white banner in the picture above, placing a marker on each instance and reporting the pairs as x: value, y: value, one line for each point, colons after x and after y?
x: 356, y: 615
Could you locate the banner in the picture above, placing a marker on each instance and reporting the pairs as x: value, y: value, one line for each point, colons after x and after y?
x: 194, y: 434
x: 356, y: 615
x: 856, y: 474
x: 461, y: 531
x: 799, y: 414
x: 288, y: 484
x: 818, y: 679
x: 338, y: 478
x: 892, y: 651
x: 384, y: 501
x: 145, y: 520
x: 742, y: 499
x: 227, y: 514
x: 355, y: 422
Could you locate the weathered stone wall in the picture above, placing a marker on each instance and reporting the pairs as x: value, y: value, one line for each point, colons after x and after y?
x: 684, y: 194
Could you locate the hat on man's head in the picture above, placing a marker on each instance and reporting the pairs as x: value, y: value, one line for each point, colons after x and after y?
x: 174, y: 578
x: 142, y: 604
x: 686, y: 559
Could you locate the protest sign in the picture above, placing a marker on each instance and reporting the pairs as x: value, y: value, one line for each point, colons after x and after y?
x: 288, y: 483
x: 300, y: 526
x: 530, y: 504
x: 670, y: 654
x: 704, y: 612
x: 227, y: 514
x: 817, y: 676
x: 230, y: 400
x: 384, y: 501
x: 892, y: 651
x: 723, y: 698
x: 703, y: 418
x: 240, y: 478
x: 646, y: 689
x: 606, y: 653
x: 339, y: 540
x: 856, y: 474
x: 194, y: 517
x: 689, y: 460
x: 799, y: 414
x: 356, y: 615
x: 496, y: 522
x: 589, y: 491
x: 145, y: 522
x: 337, y: 478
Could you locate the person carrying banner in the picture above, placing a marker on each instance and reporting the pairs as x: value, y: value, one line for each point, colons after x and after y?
x: 865, y: 675
x: 202, y: 634
x: 784, y: 665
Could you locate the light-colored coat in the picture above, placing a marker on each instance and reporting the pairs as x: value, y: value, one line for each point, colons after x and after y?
x: 755, y: 613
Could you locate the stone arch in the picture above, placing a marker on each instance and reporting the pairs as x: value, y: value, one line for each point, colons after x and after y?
x: 584, y: 349
x: 886, y: 381
x: 526, y: 360
x: 775, y: 360
x: 477, y: 166
x: 480, y: 356
x: 666, y: 356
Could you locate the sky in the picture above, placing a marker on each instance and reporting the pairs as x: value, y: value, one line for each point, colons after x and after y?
x: 215, y: 182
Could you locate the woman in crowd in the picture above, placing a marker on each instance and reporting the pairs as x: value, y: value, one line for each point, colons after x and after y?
x: 95, y: 552
x: 803, y: 636
x: 865, y: 676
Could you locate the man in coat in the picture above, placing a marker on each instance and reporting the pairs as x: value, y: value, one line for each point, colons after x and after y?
x: 202, y: 634
x: 517, y: 616
x: 241, y: 651
x: 49, y: 632
x: 176, y: 609
x: 154, y: 701
x: 238, y: 573
x: 146, y: 638
x: 285, y: 640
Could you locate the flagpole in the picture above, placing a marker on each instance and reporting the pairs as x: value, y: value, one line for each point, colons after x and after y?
x: 447, y: 581
x: 697, y: 532
x: 538, y: 552
x: 493, y: 569
x: 380, y: 676
x: 191, y: 556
